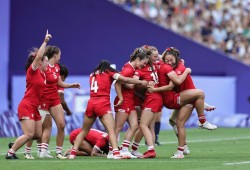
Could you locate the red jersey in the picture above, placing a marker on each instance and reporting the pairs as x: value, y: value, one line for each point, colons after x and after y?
x: 35, y: 85
x: 128, y: 71
x: 100, y: 84
x: 52, y: 76
x: 187, y: 83
x: 95, y: 137
x: 163, y: 74
x: 149, y: 74
x: 159, y: 63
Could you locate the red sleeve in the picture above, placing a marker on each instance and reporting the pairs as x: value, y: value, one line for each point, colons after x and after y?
x: 101, y: 142
x: 127, y: 72
x: 167, y: 69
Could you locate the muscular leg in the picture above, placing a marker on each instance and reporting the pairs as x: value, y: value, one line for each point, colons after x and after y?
x: 87, y: 124
x: 120, y: 119
x: 133, y: 126
x: 197, y: 97
x: 182, y: 117
x: 58, y: 116
x: 109, y: 124
x: 28, y: 127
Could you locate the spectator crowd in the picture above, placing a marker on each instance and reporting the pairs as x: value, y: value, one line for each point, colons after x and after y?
x: 221, y: 25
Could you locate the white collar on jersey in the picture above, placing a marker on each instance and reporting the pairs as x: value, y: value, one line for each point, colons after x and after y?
x: 131, y: 65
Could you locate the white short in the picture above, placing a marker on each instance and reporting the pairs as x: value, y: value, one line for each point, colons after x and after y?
x: 43, y: 113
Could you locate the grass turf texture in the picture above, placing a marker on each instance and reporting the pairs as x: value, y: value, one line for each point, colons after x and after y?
x: 222, y: 149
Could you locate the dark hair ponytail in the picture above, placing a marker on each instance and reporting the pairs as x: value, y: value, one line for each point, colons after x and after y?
x: 63, y: 70
x: 31, y: 57
x: 103, y: 66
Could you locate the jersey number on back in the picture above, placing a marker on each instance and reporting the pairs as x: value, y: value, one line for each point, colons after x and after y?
x: 94, y: 85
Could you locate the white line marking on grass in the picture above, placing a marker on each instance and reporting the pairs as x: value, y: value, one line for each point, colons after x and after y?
x: 173, y: 142
x: 237, y: 163
x: 209, y: 140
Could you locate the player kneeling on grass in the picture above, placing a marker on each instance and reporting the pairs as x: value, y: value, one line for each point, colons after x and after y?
x: 95, y: 143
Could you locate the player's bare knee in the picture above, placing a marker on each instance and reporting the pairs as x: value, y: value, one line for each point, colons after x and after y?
x: 142, y: 126
x: 201, y: 93
x: 29, y: 135
x: 61, y: 126
x: 134, y: 127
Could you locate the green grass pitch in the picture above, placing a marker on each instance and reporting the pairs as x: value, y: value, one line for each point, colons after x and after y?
x: 222, y: 149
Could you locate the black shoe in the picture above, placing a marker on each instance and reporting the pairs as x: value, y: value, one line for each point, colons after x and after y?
x: 11, y: 157
x: 157, y: 143
x: 10, y: 144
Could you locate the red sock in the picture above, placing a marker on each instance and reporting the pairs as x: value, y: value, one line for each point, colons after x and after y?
x: 180, y: 148
x: 73, y: 152
x: 116, y: 152
x: 135, y: 146
x: 110, y: 148
x: 202, y: 118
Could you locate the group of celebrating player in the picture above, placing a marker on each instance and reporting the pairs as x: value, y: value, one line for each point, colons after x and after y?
x: 145, y: 84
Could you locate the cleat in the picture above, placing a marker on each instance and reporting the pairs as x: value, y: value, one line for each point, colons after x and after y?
x: 186, y: 150
x: 10, y: 145
x: 137, y: 154
x: 177, y: 155
x: 208, y: 107
x: 149, y: 154
x: 28, y: 156
x: 207, y: 126
x: 71, y: 157
x: 45, y: 155
x: 127, y: 155
x: 11, y: 157
x: 66, y: 154
x: 120, y: 157
x: 117, y: 157
x: 60, y: 156
x: 110, y: 155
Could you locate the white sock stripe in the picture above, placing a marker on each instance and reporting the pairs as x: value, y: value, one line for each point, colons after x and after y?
x: 151, y: 147
x: 126, y: 141
x: 11, y: 151
x: 45, y: 144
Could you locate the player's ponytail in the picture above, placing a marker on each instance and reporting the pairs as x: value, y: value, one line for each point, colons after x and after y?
x: 31, y: 57
x: 103, y: 66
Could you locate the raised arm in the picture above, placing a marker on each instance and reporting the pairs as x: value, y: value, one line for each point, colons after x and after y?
x: 41, y: 51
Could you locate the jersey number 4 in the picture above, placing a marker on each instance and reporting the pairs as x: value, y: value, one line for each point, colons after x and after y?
x: 94, y: 85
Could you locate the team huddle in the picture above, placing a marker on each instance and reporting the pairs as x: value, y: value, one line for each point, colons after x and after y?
x: 146, y: 83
